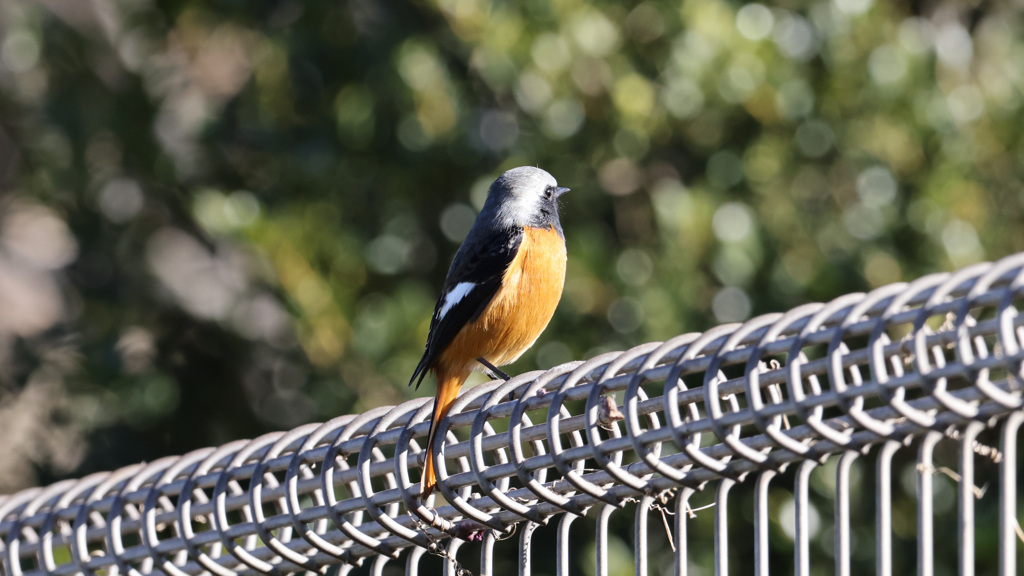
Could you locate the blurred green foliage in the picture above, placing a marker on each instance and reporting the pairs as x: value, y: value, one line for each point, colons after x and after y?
x: 220, y: 218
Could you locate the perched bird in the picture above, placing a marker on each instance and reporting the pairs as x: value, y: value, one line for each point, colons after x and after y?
x: 501, y: 291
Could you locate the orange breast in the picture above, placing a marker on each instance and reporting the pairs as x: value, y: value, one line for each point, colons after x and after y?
x: 521, y: 308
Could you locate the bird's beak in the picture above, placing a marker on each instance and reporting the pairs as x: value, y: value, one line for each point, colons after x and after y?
x: 560, y: 191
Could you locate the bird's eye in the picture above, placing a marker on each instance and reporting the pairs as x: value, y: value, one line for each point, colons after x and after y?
x: 549, y: 192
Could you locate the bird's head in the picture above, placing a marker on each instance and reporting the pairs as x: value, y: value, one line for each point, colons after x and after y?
x: 524, y: 196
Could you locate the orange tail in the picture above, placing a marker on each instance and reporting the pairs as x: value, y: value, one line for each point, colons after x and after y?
x: 448, y: 386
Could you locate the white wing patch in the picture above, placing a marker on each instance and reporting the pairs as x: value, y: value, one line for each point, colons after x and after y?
x: 460, y: 291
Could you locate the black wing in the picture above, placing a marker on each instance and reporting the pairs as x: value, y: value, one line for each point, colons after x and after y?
x: 482, y: 263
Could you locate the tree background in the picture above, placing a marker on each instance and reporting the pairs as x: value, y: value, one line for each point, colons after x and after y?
x: 221, y: 218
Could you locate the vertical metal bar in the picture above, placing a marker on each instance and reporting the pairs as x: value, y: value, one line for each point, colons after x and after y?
x: 761, y: 522
x: 722, y: 527
x: 602, y: 539
x: 640, y: 535
x: 926, y: 504
x: 883, y: 508
x: 525, y: 540
x: 562, y: 552
x: 487, y: 554
x: 412, y: 563
x: 965, y: 499
x: 378, y: 565
x: 1008, y: 496
x: 842, y: 521
x: 682, y: 515
x: 453, y: 551
x: 802, y: 548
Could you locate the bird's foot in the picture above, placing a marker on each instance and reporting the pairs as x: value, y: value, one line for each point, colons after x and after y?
x: 496, y: 373
x: 494, y: 369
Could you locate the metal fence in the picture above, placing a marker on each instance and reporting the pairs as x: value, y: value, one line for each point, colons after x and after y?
x: 936, y: 361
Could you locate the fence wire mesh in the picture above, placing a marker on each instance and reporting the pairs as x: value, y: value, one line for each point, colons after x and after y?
x: 938, y: 359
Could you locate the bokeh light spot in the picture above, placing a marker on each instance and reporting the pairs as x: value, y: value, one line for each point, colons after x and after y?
x: 619, y: 177
x: 37, y: 236
x: 881, y: 269
x: 954, y: 46
x: 625, y: 315
x: 20, y: 51
x: 787, y: 518
x: 563, y: 118
x: 961, y: 242
x: 388, y: 254
x: 916, y: 35
x: 795, y: 98
x: 733, y: 222
x: 754, y: 21
x: 853, y: 7
x: 733, y: 267
x: 645, y: 22
x: 552, y: 354
x: 634, y: 96
x: 876, y: 187
x: 731, y: 304
x: 966, y: 103
x: 795, y: 37
x: 411, y: 134
x: 353, y: 111
x: 120, y: 200
x: 498, y: 130
x: 594, y: 33
x: 551, y: 53
x: 634, y: 267
x: 863, y: 222
x: 532, y: 91
x: 456, y: 220
x: 814, y: 138
x: 887, y: 65
x: 683, y: 97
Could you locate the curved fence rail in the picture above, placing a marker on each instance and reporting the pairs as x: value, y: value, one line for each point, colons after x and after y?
x: 938, y: 358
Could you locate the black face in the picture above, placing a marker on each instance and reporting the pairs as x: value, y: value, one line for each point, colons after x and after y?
x: 548, y: 210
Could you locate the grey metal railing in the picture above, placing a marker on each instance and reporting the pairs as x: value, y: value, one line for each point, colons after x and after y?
x: 938, y: 359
